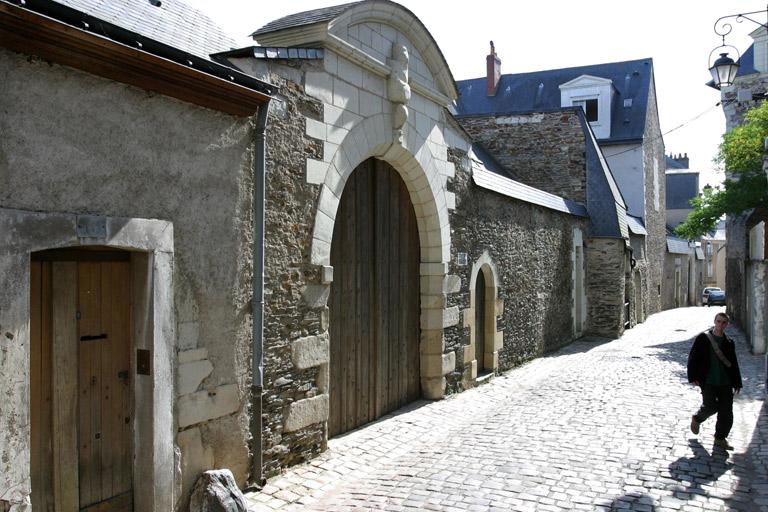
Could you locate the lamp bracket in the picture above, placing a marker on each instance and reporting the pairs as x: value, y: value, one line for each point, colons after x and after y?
x: 723, y: 28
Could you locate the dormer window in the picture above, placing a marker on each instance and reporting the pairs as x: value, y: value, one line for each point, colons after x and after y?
x: 594, y: 95
x: 590, y: 108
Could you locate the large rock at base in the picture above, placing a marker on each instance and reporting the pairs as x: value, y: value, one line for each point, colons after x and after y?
x: 216, y: 491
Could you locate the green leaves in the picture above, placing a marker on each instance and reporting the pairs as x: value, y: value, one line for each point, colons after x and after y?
x: 741, y: 153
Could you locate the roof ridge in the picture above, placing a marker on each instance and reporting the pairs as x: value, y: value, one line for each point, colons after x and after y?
x: 552, y: 70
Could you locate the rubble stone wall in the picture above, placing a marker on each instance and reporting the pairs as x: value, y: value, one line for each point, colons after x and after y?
x: 543, y: 150
x: 606, y: 283
x: 655, y: 209
x: 531, y: 248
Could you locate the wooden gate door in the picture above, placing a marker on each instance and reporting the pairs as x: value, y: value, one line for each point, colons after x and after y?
x: 81, y: 382
x: 374, y: 301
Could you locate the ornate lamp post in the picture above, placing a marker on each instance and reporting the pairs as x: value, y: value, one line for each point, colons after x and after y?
x: 724, y: 68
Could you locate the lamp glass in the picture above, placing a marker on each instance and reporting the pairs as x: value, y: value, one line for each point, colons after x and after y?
x: 724, y: 71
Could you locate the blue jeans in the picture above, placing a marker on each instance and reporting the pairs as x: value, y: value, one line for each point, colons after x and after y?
x: 717, y: 399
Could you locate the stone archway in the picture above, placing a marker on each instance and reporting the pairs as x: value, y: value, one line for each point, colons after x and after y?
x: 417, y: 167
x: 485, y: 341
x: 374, y: 300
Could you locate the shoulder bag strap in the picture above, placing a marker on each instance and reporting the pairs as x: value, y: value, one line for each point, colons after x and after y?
x: 718, y: 352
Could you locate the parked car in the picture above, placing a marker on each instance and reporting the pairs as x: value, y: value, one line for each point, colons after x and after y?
x: 716, y: 298
x: 705, y: 293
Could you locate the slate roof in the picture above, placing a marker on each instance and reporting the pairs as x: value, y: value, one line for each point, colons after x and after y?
x: 681, y: 188
x: 747, y: 62
x: 303, y: 18
x: 273, y: 52
x: 677, y: 246
x: 636, y: 225
x: 490, y: 180
x: 539, y: 91
x: 173, y: 23
x: 605, y: 204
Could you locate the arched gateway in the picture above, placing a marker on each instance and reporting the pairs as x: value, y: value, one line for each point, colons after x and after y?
x: 374, y: 300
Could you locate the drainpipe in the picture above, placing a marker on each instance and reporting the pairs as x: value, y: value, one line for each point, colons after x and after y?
x: 257, y: 302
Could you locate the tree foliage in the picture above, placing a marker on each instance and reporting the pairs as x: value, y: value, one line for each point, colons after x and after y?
x: 745, y: 187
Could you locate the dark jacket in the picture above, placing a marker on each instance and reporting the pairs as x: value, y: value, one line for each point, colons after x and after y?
x: 698, y: 360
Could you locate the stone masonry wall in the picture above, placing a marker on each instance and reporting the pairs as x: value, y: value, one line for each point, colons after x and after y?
x: 655, y: 209
x: 543, y: 150
x: 605, y: 286
x: 531, y: 248
x: 289, y: 313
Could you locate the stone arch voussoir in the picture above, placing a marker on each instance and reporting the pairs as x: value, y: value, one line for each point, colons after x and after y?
x: 373, y: 137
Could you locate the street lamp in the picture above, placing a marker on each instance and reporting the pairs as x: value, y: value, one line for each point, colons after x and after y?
x: 724, y: 68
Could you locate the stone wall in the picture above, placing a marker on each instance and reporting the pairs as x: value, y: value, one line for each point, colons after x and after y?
x: 291, y: 312
x: 78, y: 144
x: 543, y: 150
x: 655, y: 215
x: 606, y: 281
x: 531, y: 249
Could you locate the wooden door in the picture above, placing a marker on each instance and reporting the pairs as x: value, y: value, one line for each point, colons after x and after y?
x: 374, y: 301
x: 480, y: 314
x: 81, y: 405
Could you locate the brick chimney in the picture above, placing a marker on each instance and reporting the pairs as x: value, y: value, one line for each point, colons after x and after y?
x: 493, y: 72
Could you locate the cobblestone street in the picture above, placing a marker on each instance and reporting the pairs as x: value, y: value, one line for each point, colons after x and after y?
x: 595, y: 426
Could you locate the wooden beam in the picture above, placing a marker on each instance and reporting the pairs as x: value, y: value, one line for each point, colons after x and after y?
x: 30, y: 33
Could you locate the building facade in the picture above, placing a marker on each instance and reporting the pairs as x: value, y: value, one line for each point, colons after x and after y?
x: 745, y: 276
x: 401, y: 260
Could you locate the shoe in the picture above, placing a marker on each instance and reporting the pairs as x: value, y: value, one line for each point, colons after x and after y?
x: 695, y: 425
x: 723, y: 443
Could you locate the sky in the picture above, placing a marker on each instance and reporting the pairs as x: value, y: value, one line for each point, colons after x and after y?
x: 550, y: 34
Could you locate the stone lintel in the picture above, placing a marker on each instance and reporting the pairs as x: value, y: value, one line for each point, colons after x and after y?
x: 207, y: 405
x: 451, y: 316
x: 306, y: 412
x: 310, y: 351
x: 316, y: 295
x: 192, y: 374
x: 452, y: 283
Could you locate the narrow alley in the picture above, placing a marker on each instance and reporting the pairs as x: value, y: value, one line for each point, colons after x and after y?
x: 595, y: 426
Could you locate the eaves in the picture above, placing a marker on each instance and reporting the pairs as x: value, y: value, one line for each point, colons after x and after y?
x: 48, y: 30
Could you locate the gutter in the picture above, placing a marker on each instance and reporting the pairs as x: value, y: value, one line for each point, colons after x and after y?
x: 257, y: 301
